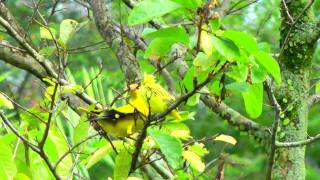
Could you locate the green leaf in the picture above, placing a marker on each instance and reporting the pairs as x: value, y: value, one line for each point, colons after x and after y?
x: 81, y: 131
x: 318, y: 88
x: 188, y: 79
x: 47, y: 33
x: 177, y: 34
x: 238, y: 86
x: 149, y: 9
x: 215, y: 24
x: 21, y: 176
x: 158, y: 48
x: 61, y: 145
x: 270, y: 64
x: 253, y: 100
x: 170, y: 146
x: 193, y: 100
x: 102, y: 152
x: 226, y: 48
x: 176, y: 129
x: 47, y: 51
x: 242, y: 40
x: 67, y: 28
x: 189, y: 4
x: 258, y: 73
x: 122, y: 165
x: 202, y: 61
x: 5, y: 102
x: 7, y: 166
x: 199, y: 149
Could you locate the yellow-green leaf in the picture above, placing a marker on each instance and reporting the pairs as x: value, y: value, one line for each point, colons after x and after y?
x: 194, y: 160
x: 122, y: 165
x: 4, y: 102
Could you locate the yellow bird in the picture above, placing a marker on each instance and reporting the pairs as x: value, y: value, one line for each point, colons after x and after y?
x: 120, y: 122
x: 149, y: 95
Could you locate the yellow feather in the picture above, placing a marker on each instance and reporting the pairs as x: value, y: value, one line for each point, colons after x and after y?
x: 154, y: 95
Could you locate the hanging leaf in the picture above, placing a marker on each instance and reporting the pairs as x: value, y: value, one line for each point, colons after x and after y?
x: 253, y: 100
x: 238, y: 86
x: 122, y: 165
x: 149, y: 9
x: 226, y: 138
x: 226, y: 48
x: 170, y: 146
x: 270, y: 64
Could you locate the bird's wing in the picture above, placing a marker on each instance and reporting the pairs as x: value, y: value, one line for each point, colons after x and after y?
x: 159, y: 92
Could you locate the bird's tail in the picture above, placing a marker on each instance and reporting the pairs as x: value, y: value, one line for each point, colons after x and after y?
x: 175, y: 114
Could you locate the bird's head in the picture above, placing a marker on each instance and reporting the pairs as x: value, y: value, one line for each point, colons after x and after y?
x: 148, y: 78
x: 133, y: 88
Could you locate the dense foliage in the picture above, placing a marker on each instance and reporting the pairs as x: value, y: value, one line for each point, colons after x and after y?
x: 218, y: 58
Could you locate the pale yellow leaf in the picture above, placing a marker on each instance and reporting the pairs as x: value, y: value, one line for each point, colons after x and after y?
x: 226, y: 138
x: 181, y: 134
x: 194, y: 160
x: 206, y: 43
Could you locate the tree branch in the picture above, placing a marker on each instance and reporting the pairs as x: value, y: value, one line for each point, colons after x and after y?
x: 275, y: 125
x: 313, y: 99
x: 235, y: 118
x: 298, y: 143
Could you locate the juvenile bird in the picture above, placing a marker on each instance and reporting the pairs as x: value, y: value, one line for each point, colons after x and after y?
x: 149, y: 95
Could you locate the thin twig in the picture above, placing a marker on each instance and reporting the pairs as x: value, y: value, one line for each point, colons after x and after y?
x: 293, y: 24
x: 16, y: 132
x: 287, y: 11
x: 73, y: 147
x: 275, y: 125
x: 94, y: 78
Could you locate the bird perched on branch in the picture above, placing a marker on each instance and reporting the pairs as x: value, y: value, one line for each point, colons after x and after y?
x: 151, y: 96
x: 120, y: 122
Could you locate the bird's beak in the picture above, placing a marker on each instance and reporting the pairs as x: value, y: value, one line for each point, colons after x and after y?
x: 133, y: 87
